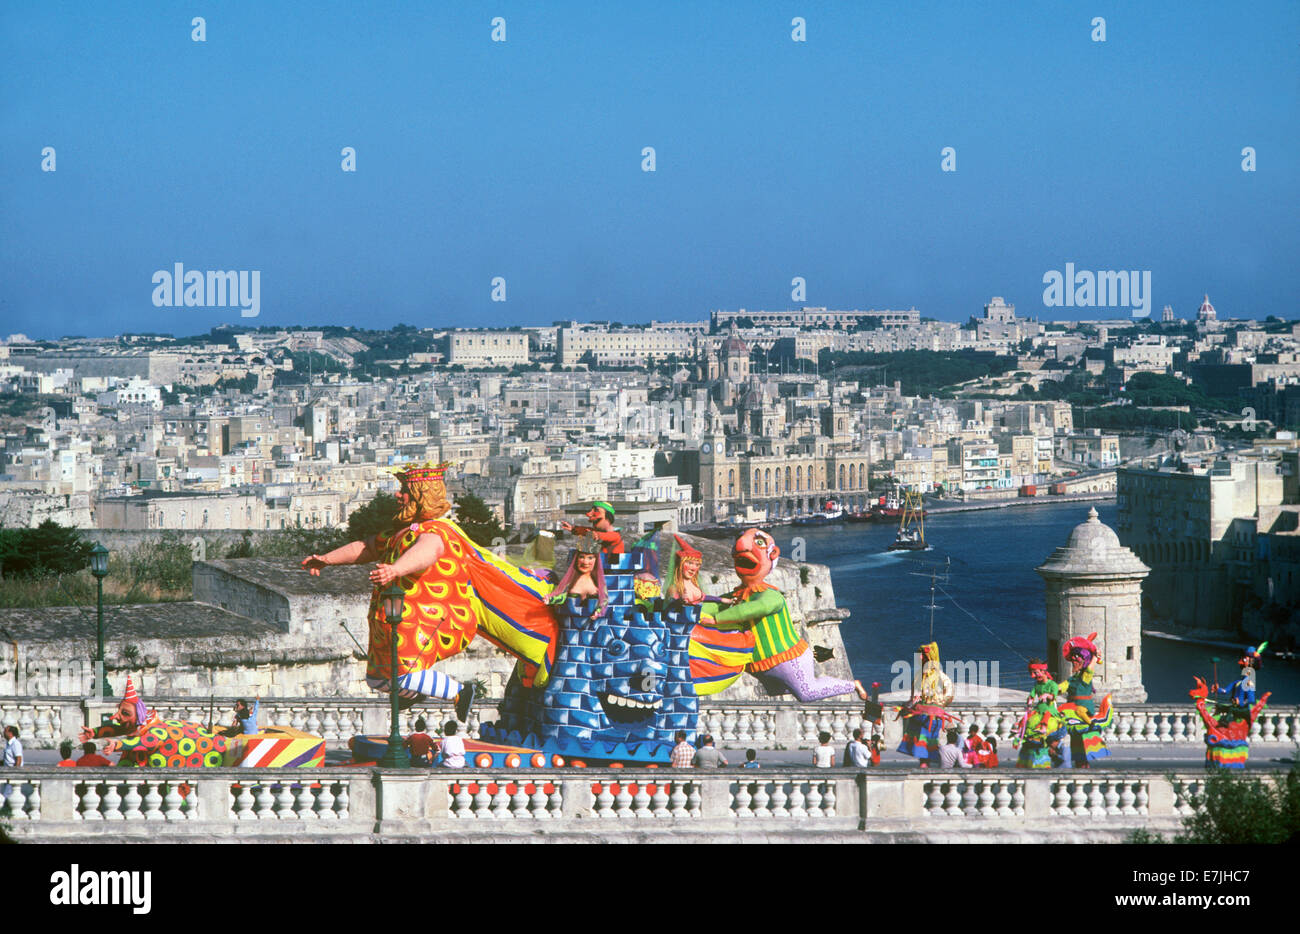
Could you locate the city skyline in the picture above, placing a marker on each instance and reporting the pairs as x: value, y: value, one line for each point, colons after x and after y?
x: 805, y: 155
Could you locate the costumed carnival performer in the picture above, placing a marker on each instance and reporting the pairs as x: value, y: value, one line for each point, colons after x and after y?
x: 455, y: 589
x: 683, y: 577
x: 646, y: 586
x: 1242, y: 691
x: 584, y: 578
x: 779, y: 651
x: 145, y: 739
x: 1042, y: 724
x: 924, y: 716
x: 1084, y: 715
x: 601, y: 529
x: 1227, y: 731
x: 1227, y: 737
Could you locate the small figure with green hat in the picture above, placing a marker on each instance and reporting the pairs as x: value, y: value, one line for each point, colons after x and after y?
x: 601, y: 529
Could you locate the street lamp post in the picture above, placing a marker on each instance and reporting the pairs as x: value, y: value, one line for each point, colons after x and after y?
x: 99, y: 567
x: 394, y: 605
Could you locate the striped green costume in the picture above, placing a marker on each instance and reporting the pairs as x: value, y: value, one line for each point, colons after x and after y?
x: 766, y: 613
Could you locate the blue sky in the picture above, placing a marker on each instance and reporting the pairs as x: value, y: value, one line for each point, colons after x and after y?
x: 523, y: 159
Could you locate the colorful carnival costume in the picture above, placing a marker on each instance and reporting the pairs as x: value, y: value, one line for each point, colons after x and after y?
x: 464, y: 590
x: 1042, y: 724
x: 779, y: 651
x: 468, y: 591
x: 1227, y: 732
x: 1084, y: 715
x: 145, y: 739
x: 925, y: 717
x: 682, y: 581
x: 601, y: 529
x: 1242, y: 691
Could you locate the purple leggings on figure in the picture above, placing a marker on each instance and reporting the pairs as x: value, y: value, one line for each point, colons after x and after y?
x: 797, y: 675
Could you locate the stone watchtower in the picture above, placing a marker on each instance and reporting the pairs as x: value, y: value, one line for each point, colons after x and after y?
x: 1094, y: 584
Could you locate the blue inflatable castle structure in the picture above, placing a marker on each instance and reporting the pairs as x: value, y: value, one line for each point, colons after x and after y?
x: 620, y: 687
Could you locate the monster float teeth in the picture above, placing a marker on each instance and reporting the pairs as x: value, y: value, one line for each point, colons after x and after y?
x: 633, y: 704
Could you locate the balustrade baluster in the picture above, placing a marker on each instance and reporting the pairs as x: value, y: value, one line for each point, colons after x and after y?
x: 1112, y: 797
x: 1002, y: 799
x: 951, y: 799
x: 537, y: 806
x: 693, y: 798
x: 933, y: 798
x: 304, y: 802
x: 324, y: 803
x: 172, y: 802
x: 519, y: 802
x: 677, y: 801
x: 131, y: 803
x: 986, y: 800
x: 500, y: 803
x: 779, y: 799
x: 16, y: 803
x: 605, y: 802
x: 111, y: 805
x: 243, y: 802
x: 265, y: 807
x: 795, y: 806
x: 341, y: 801
x: 482, y: 802
x: 813, y: 798
x: 89, y: 801
x: 1126, y: 798
x: 761, y: 799
x: 969, y: 799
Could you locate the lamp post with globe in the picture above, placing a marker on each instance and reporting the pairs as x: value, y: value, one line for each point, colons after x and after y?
x: 99, y: 567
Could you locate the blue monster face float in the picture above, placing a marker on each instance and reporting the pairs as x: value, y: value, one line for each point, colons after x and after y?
x: 620, y: 686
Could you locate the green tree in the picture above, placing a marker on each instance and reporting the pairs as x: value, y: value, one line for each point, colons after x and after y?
x: 47, y: 549
x: 1237, y: 809
x: 479, y: 522
x: 374, y: 518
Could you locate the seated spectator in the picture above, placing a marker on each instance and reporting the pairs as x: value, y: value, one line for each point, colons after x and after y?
x: 950, y: 753
x: 972, y: 745
x: 989, y: 755
x: 683, y: 754
x: 65, y: 753
x: 90, y: 758
x: 453, y: 747
x: 420, y: 744
x: 823, y: 754
x: 751, y: 759
x: 708, y: 757
x: 856, y: 754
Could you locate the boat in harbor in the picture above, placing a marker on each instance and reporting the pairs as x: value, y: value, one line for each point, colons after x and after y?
x: 891, y: 506
x: 831, y: 512
x: 911, y: 528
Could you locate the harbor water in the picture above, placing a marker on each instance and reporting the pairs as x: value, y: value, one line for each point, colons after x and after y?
x: 989, y: 604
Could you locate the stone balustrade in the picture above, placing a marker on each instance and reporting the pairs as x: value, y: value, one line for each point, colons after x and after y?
x: 354, y: 804
x: 43, y: 721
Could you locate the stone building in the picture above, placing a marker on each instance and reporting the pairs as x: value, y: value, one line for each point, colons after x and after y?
x: 1094, y: 584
